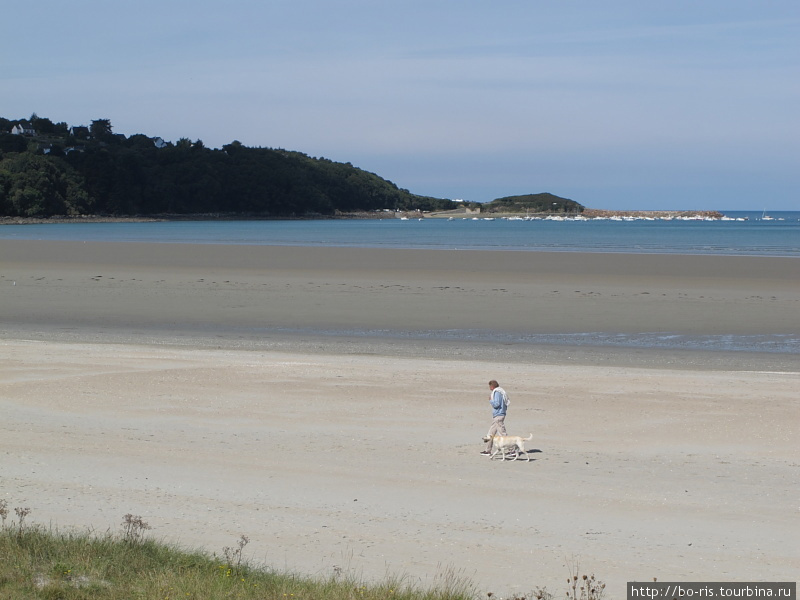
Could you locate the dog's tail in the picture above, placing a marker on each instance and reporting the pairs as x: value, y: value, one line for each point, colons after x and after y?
x: 530, y: 437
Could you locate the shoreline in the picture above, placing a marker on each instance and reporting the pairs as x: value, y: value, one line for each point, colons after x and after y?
x: 316, y: 343
x: 589, y: 213
x: 156, y: 218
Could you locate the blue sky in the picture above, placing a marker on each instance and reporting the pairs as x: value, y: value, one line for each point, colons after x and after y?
x: 617, y: 104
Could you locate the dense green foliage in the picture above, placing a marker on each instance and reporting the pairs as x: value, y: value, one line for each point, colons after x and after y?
x: 60, y: 170
x: 534, y: 203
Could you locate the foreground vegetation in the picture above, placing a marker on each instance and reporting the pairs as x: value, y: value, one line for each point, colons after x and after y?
x: 41, y: 563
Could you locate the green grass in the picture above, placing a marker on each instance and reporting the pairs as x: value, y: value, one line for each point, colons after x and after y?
x: 41, y: 563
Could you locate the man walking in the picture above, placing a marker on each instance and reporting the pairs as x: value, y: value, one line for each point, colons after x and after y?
x: 499, y: 402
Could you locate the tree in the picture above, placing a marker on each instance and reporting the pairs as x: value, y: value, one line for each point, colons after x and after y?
x: 39, y: 186
x: 12, y: 143
x: 43, y: 126
x: 100, y: 130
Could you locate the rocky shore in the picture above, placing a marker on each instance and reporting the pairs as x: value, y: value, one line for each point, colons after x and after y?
x: 596, y: 213
x: 589, y: 213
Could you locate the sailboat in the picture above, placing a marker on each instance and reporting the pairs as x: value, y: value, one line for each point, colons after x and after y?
x: 765, y: 216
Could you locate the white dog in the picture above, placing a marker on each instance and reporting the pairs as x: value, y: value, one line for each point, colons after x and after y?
x: 503, y: 443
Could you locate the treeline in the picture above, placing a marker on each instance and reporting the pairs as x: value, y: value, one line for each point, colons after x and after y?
x: 49, y: 169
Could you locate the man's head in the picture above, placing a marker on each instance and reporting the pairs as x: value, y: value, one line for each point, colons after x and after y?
x: 493, y: 384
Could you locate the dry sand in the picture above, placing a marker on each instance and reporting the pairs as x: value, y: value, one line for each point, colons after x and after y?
x: 157, y: 380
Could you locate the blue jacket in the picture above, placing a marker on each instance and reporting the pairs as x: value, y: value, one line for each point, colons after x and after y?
x: 498, y: 403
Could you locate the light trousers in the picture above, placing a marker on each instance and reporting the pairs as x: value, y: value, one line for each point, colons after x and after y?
x: 498, y: 428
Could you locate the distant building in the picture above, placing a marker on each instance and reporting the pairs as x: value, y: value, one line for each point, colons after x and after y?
x: 23, y: 129
x: 159, y: 143
x: 79, y: 131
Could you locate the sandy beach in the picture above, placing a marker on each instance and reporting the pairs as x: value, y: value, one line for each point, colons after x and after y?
x: 311, y: 399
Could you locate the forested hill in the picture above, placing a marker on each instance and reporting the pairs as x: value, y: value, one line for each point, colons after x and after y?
x: 49, y: 169
x: 536, y: 203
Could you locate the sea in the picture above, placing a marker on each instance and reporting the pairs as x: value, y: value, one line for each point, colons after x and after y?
x: 739, y: 233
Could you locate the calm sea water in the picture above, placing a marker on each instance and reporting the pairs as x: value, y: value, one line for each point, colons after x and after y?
x: 754, y: 236
x: 778, y: 236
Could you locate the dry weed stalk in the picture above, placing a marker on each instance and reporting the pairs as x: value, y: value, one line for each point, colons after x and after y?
x: 233, y: 556
x: 584, y: 587
x: 134, y: 528
x: 21, y: 514
x: 541, y: 593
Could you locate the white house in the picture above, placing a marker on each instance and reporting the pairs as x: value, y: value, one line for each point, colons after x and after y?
x: 23, y: 129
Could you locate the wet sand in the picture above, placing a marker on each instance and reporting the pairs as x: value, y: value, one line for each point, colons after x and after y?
x: 219, y: 289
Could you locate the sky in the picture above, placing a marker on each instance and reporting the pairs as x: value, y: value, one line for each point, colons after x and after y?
x: 616, y: 104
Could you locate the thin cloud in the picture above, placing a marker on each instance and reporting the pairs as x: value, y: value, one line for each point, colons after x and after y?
x: 456, y: 99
